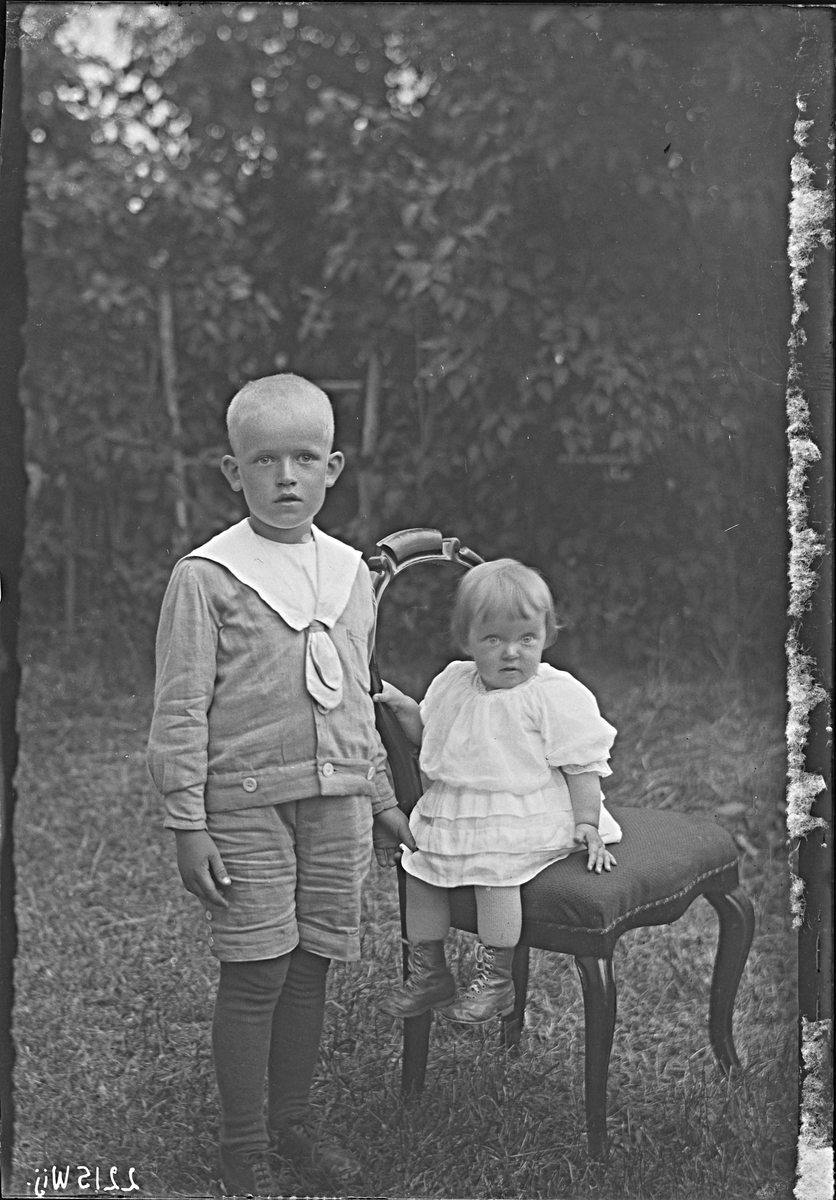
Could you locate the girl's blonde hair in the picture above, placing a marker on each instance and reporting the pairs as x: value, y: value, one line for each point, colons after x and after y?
x: 502, y: 586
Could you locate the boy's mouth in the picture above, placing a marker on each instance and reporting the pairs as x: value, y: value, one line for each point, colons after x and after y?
x: 289, y: 500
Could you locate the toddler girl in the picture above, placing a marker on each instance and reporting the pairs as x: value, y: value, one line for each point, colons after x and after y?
x: 514, y: 751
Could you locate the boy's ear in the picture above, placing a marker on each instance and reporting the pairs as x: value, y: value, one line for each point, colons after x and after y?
x: 336, y: 462
x: 229, y: 467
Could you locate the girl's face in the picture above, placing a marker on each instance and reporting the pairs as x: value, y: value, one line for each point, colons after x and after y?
x: 506, y: 648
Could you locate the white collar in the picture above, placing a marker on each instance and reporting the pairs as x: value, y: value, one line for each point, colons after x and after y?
x: 239, y: 550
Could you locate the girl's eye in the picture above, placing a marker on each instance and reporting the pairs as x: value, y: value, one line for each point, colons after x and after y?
x: 492, y: 641
x: 528, y: 638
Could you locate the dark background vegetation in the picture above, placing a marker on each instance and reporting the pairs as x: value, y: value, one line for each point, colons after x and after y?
x: 540, y: 250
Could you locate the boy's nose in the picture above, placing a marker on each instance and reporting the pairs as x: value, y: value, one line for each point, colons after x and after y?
x: 512, y: 650
x: 286, y: 474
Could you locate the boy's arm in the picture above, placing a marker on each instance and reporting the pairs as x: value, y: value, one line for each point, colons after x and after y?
x: 585, y: 794
x: 187, y: 639
x: 391, y: 826
x: 177, y: 746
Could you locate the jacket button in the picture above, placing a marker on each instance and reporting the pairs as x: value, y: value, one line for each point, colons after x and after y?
x: 370, y: 774
x: 249, y: 784
x: 327, y: 768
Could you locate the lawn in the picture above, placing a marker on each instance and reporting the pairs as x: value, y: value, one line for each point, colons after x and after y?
x: 114, y: 984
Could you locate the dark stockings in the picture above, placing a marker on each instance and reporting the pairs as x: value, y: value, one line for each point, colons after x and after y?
x: 267, y: 1023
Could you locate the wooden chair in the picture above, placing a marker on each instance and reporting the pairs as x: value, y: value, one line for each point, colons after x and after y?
x: 665, y: 861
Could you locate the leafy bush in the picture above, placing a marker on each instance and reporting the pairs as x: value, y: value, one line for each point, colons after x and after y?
x: 551, y: 233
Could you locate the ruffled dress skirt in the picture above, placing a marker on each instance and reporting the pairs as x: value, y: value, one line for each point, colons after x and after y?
x: 493, y: 839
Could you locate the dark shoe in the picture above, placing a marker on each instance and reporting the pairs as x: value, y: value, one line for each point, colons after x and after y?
x: 491, y: 992
x: 430, y: 983
x: 252, y: 1174
x: 301, y: 1144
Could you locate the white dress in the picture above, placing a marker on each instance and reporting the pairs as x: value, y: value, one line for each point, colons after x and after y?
x: 496, y: 813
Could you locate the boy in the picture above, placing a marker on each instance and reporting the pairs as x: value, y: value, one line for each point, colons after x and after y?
x: 264, y: 747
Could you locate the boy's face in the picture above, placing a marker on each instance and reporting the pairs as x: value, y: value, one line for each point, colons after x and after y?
x: 283, y: 463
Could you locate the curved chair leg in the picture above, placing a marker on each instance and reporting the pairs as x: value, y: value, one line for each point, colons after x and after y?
x: 737, y: 926
x: 512, y: 1026
x: 416, y: 1045
x: 598, y: 983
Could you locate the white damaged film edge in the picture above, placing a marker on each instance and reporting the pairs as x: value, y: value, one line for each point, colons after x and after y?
x: 811, y: 210
x: 815, y: 1153
x: 810, y: 215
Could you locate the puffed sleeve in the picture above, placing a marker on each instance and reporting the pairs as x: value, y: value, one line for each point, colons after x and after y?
x: 441, y: 687
x: 577, y: 737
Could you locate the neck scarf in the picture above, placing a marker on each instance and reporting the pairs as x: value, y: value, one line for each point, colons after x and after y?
x: 239, y: 549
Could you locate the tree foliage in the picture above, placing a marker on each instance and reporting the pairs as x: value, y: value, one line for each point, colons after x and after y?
x: 557, y: 231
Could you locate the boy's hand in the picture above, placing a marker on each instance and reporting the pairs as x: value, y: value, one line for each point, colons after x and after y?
x: 201, y: 867
x: 599, y: 856
x: 390, y: 829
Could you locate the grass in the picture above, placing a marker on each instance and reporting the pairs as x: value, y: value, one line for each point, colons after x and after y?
x: 115, y: 986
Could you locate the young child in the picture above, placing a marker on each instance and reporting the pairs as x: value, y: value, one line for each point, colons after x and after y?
x: 514, y: 751
x: 264, y: 747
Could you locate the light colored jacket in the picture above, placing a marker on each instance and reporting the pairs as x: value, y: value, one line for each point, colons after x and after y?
x: 233, y: 725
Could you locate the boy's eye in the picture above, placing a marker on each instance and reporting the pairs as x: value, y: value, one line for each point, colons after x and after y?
x: 527, y: 639
x: 492, y: 641
x: 264, y: 461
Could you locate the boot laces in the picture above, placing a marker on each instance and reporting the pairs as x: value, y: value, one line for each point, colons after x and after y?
x: 413, y: 978
x: 263, y: 1176
x: 484, y: 968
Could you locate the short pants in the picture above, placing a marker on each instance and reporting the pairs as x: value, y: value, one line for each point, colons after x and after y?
x: 297, y: 872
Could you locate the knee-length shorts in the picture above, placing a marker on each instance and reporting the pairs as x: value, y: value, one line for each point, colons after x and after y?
x: 297, y: 872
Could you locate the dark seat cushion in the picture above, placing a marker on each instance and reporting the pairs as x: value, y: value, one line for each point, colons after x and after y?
x: 664, y: 861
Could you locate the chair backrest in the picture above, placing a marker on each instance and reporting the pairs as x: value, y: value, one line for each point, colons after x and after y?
x: 397, y: 552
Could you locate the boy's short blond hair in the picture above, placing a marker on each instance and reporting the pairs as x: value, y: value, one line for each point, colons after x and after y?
x: 274, y: 390
x: 501, y: 586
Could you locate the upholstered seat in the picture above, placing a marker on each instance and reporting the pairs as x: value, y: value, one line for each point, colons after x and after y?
x: 665, y: 861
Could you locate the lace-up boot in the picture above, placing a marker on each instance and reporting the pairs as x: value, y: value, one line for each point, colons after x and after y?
x: 430, y: 983
x: 491, y: 992
x: 256, y: 1174
x: 302, y: 1144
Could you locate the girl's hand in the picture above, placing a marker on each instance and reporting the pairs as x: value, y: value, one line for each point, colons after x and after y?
x: 599, y: 858
x: 406, y: 710
x: 389, y: 695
